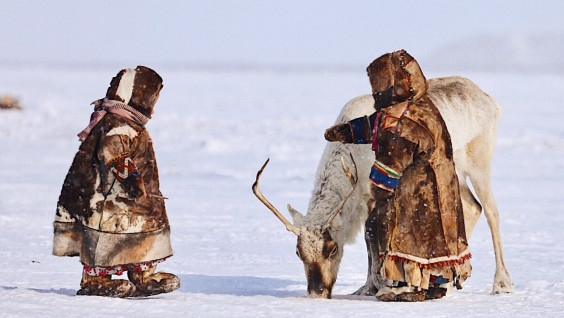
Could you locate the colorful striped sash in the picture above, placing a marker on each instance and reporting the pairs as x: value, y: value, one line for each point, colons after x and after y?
x: 384, y: 177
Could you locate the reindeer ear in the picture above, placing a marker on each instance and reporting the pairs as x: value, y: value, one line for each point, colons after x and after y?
x: 296, y: 215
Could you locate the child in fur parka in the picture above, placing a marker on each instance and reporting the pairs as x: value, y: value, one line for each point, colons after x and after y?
x: 111, y: 212
x: 415, y: 231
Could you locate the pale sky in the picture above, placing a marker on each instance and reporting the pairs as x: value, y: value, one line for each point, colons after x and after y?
x: 257, y: 32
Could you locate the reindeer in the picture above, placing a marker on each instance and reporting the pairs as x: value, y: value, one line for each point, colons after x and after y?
x: 472, y: 118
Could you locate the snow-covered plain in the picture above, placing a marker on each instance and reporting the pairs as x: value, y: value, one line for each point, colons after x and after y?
x: 212, y: 130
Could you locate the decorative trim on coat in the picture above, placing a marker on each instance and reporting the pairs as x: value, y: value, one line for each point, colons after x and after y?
x: 418, y: 272
x: 122, y: 166
x: 361, y: 130
x: 428, y: 262
x: 384, y: 177
x: 119, y: 269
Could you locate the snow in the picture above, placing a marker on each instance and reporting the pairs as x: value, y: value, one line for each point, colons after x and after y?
x: 212, y: 131
x: 248, y: 80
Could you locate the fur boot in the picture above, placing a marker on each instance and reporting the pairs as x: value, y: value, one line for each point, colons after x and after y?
x: 150, y: 283
x: 105, y: 286
x: 408, y: 294
x: 435, y: 293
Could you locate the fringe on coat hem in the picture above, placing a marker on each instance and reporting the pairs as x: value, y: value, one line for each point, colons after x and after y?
x: 418, y: 274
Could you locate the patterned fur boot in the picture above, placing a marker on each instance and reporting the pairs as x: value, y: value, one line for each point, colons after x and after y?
x: 405, y: 296
x: 150, y: 283
x: 404, y: 293
x: 105, y: 286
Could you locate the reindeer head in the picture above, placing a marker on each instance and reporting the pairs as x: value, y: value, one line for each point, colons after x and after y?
x: 319, y: 254
x: 316, y: 248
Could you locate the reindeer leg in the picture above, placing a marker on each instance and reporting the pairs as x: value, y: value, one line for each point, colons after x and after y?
x: 470, y: 206
x: 373, y: 280
x: 502, y: 280
x: 369, y: 289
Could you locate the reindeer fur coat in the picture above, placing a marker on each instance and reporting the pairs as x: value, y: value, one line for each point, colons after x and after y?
x: 110, y: 210
x: 416, y: 229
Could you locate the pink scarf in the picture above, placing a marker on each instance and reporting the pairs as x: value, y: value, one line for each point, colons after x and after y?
x: 104, y: 106
x: 375, y: 132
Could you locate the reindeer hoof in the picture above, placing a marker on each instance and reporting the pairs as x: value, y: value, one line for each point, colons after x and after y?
x: 502, y: 288
x: 502, y: 284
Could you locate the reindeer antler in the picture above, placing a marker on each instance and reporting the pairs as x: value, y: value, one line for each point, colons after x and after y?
x: 289, y: 226
x: 353, y: 181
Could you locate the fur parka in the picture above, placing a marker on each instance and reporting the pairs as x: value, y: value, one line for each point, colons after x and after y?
x: 415, y: 231
x: 110, y: 210
x: 418, y: 223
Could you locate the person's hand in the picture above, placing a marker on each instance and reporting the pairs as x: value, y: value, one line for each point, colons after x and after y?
x: 134, y: 186
x: 340, y: 133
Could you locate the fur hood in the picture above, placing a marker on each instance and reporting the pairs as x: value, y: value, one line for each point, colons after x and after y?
x: 139, y: 88
x: 395, y: 78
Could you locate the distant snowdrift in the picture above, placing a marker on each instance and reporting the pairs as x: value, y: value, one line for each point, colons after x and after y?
x: 492, y: 53
x: 539, y: 53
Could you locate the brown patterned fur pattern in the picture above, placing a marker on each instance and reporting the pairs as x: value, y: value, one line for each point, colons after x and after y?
x: 106, y: 221
x: 418, y: 228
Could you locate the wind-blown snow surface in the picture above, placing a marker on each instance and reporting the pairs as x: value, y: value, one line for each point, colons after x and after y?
x: 212, y: 131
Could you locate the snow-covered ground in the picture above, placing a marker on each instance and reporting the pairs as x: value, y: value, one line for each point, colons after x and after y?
x: 212, y: 130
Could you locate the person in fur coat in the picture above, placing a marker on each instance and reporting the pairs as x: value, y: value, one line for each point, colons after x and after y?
x: 110, y: 211
x: 415, y: 232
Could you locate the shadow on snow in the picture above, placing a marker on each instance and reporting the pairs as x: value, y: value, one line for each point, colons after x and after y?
x: 221, y: 285
x: 239, y: 286
x: 60, y: 291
